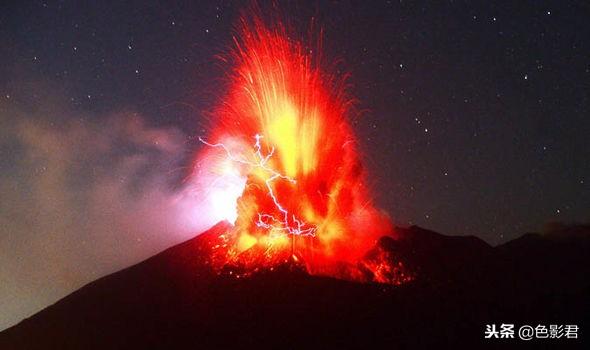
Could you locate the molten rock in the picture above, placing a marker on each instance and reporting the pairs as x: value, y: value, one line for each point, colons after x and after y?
x: 282, y: 131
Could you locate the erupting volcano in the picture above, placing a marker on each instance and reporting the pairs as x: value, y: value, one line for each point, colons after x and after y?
x: 287, y: 166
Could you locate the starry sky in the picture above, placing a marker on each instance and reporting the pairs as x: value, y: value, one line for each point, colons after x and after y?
x: 473, y: 120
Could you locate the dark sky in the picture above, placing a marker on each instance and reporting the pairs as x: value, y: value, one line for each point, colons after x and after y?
x: 474, y: 114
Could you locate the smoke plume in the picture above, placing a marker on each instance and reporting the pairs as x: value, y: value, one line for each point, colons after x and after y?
x: 82, y: 196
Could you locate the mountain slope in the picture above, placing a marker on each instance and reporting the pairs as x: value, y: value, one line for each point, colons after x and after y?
x: 174, y: 300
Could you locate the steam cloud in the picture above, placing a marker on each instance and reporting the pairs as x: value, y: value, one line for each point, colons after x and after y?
x: 83, y: 196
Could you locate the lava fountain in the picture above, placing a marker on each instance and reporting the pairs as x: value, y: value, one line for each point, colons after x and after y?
x: 282, y: 145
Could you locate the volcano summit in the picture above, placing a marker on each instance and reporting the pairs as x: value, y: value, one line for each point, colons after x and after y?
x: 178, y: 299
x: 281, y: 143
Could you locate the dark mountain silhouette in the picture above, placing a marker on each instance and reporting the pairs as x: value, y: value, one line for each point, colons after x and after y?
x: 174, y: 300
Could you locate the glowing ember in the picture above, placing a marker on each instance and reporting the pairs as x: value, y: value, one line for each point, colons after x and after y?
x: 288, y: 223
x: 282, y: 127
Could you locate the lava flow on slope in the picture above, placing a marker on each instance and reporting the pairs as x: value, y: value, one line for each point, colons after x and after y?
x: 287, y: 168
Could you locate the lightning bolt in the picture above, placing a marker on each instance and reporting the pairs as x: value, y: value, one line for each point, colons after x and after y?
x: 267, y: 221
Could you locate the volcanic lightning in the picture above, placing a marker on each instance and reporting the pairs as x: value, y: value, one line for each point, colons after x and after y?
x: 263, y: 219
x: 282, y: 128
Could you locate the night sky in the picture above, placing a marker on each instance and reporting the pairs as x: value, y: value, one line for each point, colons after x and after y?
x: 473, y: 119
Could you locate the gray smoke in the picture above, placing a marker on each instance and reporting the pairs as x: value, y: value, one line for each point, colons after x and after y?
x: 82, y: 196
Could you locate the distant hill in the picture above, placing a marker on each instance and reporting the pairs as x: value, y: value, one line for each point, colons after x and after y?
x: 174, y: 300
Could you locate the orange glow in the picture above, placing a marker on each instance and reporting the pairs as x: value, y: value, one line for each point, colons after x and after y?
x: 284, y: 126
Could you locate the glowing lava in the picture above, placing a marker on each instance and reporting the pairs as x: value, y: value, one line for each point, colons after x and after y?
x: 282, y: 129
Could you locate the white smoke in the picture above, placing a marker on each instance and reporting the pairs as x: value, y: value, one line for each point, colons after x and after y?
x: 83, y: 196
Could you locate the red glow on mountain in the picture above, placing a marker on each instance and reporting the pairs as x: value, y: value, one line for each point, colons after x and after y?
x: 283, y: 145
